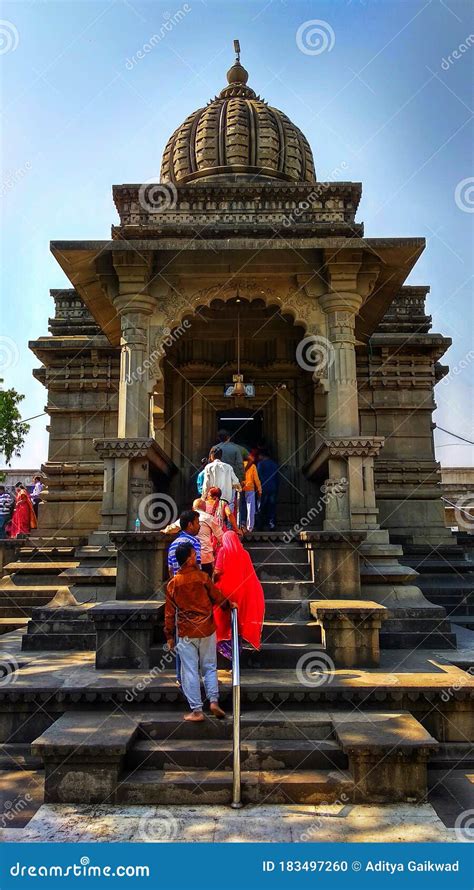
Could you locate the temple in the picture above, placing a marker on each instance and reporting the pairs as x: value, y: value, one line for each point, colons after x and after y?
x: 240, y: 267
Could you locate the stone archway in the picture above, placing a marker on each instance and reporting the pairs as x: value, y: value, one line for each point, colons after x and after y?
x: 198, y: 363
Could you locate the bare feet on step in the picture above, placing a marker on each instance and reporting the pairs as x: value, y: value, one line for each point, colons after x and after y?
x: 216, y: 711
x: 194, y: 717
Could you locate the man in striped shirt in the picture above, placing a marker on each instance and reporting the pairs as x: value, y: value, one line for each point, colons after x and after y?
x: 189, y: 524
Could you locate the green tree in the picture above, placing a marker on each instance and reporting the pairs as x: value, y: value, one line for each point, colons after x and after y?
x: 13, y: 431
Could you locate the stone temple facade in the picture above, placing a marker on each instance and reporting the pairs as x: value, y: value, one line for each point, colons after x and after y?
x: 143, y: 344
x: 240, y: 262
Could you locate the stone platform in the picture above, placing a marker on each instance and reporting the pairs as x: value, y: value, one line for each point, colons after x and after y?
x: 297, y: 823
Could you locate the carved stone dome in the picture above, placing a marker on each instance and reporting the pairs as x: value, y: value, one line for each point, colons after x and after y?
x: 237, y: 134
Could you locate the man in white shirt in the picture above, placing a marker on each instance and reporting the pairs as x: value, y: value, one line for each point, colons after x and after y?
x: 220, y: 475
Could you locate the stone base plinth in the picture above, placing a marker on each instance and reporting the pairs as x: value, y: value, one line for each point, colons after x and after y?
x: 124, y: 633
x: 388, y: 756
x: 351, y: 631
x: 334, y: 558
x: 141, y: 564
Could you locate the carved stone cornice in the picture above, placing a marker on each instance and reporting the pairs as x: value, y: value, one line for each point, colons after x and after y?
x: 135, y: 447
x: 343, y: 447
x: 256, y: 208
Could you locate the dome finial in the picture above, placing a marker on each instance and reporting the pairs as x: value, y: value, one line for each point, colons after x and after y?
x: 237, y: 74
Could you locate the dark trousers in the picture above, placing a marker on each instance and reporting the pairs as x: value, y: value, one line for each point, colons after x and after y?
x: 208, y: 568
x: 266, y: 516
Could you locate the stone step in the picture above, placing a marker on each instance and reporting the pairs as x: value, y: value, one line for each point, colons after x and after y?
x: 453, y: 755
x: 90, y: 575
x: 31, y: 581
x: 18, y: 755
x: 9, y: 624
x: 278, y: 655
x: 45, y: 642
x: 37, y: 567
x: 276, y: 553
x: 282, y: 571
x: 149, y: 787
x: 291, y: 632
x: 464, y: 621
x: 445, y: 640
x: 255, y: 725
x: 217, y: 753
x: 290, y: 609
x: 29, y: 591
x: 442, y: 566
x: 301, y: 590
x: 46, y: 552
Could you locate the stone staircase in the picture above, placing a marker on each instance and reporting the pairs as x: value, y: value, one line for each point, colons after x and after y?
x: 289, y: 756
x: 289, y: 632
x: 446, y: 577
x: 284, y: 760
x: 32, y: 579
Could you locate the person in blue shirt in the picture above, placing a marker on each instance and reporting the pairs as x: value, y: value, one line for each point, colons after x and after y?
x: 189, y: 524
x: 268, y: 474
x: 200, y: 475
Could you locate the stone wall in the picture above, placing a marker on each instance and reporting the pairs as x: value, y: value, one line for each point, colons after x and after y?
x: 80, y: 371
x: 397, y: 373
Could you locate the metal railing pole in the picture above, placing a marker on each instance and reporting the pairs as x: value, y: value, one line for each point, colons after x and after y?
x: 236, y: 777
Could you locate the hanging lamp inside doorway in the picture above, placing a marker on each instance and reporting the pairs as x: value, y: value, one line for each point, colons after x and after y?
x: 238, y: 390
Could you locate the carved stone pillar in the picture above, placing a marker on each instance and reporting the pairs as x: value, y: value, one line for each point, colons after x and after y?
x: 342, y: 399
x: 135, y: 306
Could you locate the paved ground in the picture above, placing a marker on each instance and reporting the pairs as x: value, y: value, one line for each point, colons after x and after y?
x: 295, y: 823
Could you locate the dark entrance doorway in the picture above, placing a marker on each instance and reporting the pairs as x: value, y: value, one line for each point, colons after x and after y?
x: 245, y: 427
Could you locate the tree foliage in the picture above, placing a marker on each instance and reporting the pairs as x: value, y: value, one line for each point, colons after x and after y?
x: 13, y: 431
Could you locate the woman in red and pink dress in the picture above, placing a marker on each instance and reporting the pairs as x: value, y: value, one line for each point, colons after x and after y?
x: 24, y: 518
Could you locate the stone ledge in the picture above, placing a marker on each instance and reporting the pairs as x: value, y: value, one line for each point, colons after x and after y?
x: 362, y: 608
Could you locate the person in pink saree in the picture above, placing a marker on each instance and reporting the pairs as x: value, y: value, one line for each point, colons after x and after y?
x: 24, y: 517
x: 236, y: 578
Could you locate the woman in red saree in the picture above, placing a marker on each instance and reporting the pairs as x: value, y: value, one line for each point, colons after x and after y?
x: 235, y: 577
x: 24, y: 517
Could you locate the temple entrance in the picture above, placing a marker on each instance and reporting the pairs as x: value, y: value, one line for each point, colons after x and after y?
x: 279, y: 412
x: 245, y: 426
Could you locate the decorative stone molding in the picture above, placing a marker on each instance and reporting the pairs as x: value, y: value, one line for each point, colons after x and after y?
x: 294, y: 300
x: 360, y: 446
x: 130, y: 449
x: 244, y: 208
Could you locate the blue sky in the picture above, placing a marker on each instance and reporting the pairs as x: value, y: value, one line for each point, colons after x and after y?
x: 390, y: 100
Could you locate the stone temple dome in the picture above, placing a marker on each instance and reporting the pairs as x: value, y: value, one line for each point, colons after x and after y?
x: 237, y: 134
